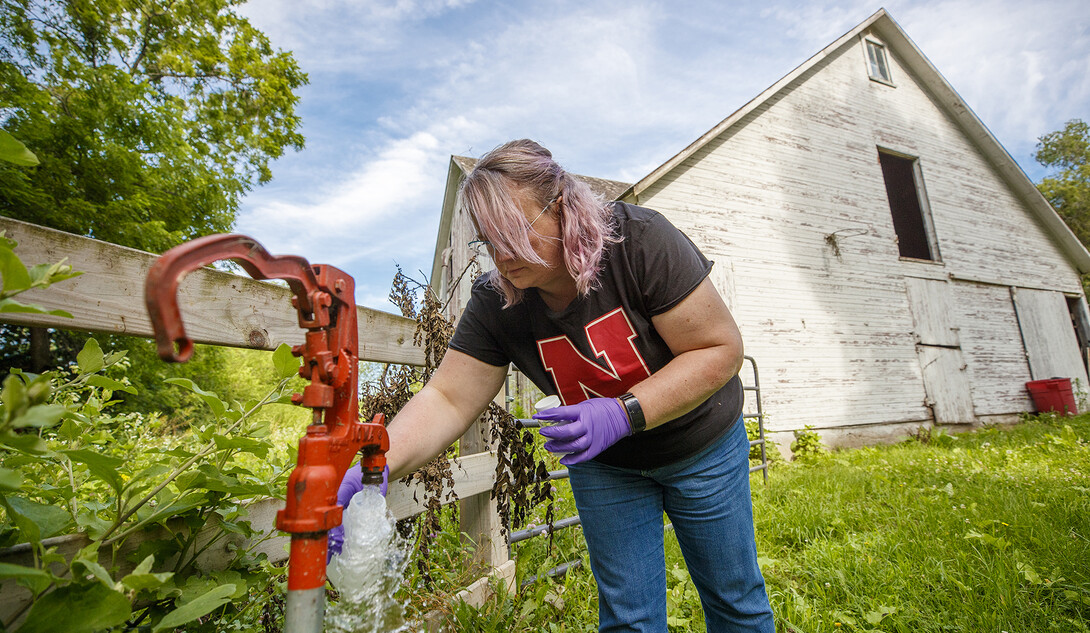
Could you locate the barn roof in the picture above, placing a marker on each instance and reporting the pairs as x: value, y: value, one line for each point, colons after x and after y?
x: 932, y: 80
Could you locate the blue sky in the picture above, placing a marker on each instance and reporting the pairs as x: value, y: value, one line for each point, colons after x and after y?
x: 613, y: 88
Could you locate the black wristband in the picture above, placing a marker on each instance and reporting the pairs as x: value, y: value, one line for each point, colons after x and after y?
x: 635, y: 412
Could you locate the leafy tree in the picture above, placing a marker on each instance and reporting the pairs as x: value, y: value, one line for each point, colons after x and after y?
x: 1068, y: 150
x: 150, y: 117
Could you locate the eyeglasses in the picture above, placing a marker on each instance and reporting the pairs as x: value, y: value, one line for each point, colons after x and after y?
x: 484, y: 248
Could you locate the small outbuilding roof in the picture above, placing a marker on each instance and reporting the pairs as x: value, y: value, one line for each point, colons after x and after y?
x: 459, y: 168
x: 608, y: 189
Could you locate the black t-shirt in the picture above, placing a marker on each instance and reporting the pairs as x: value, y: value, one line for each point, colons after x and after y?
x: 604, y: 343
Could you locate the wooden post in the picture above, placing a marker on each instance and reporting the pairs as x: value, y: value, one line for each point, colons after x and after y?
x: 478, y: 514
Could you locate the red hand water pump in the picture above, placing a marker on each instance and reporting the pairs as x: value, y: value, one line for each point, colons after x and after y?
x: 324, y: 297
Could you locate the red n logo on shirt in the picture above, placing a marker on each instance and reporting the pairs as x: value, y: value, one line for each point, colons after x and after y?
x: 578, y: 377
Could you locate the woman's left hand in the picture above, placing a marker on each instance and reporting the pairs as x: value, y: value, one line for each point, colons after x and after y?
x: 596, y: 424
x: 351, y: 483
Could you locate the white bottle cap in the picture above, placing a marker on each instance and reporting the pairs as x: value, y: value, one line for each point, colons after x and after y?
x: 548, y: 402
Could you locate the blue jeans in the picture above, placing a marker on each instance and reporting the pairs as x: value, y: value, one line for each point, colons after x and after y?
x: 708, y: 501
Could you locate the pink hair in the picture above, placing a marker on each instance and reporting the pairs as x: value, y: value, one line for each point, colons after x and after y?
x: 524, y: 166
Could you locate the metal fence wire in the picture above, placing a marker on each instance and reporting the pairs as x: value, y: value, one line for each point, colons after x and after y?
x: 571, y: 521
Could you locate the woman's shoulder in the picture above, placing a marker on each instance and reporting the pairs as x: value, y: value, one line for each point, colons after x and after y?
x: 633, y: 213
x: 637, y: 222
x: 484, y: 291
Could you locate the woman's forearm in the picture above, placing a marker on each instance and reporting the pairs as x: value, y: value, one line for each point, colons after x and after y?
x: 708, y: 352
x: 441, y: 412
x: 423, y: 428
x: 685, y: 382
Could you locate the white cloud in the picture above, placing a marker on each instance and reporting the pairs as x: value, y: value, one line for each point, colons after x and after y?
x: 818, y: 24
x: 613, y: 88
x: 400, y: 176
x: 499, y: 85
x: 1022, y: 67
x: 349, y: 37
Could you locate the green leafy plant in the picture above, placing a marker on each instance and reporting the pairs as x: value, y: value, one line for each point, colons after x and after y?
x: 682, y: 600
x: 12, y: 151
x: 137, y: 494
x: 933, y: 435
x: 498, y: 615
x: 807, y: 447
x: 753, y: 433
x: 151, y: 119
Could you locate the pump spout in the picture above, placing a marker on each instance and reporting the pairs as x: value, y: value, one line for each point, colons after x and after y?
x: 325, y: 299
x: 373, y: 461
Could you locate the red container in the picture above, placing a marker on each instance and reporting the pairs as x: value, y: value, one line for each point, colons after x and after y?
x: 1054, y: 394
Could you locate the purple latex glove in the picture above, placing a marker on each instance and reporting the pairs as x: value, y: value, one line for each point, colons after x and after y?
x: 350, y: 485
x: 596, y: 424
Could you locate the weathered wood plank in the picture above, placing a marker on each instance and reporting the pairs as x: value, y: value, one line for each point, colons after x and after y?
x: 219, y: 308
x: 992, y: 347
x: 932, y: 308
x: 478, y: 514
x: 473, y: 475
x: 476, y: 594
x: 1049, y: 337
x: 947, y: 384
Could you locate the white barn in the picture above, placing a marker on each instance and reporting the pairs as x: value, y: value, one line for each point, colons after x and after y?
x: 888, y: 262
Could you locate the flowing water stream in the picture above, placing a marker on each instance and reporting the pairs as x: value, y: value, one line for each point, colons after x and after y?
x: 368, y: 571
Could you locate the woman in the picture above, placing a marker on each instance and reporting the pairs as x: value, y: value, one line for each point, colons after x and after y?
x: 610, y: 308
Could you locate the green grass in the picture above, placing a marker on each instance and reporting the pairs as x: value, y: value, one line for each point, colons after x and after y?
x: 986, y: 531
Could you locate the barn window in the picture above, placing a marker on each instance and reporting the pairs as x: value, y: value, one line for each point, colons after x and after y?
x: 877, y: 65
x: 908, y: 204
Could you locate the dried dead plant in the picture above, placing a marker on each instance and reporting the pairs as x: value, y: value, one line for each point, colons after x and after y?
x: 521, y: 481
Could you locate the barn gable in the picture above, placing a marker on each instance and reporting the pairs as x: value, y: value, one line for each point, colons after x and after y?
x: 914, y: 66
x: 790, y: 196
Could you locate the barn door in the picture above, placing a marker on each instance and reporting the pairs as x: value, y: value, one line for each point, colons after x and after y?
x: 938, y: 346
x: 1048, y: 334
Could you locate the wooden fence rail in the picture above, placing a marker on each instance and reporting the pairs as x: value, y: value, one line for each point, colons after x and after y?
x: 220, y: 308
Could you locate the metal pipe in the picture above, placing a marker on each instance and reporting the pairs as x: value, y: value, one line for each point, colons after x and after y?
x: 559, y: 570
x: 304, y: 610
x: 522, y: 535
